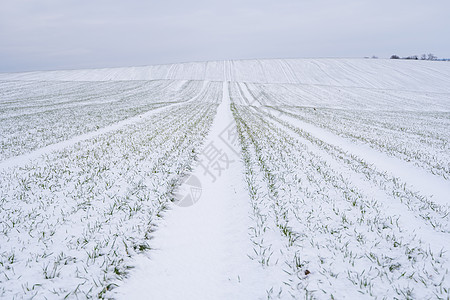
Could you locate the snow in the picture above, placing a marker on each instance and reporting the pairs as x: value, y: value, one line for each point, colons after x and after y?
x: 370, y: 73
x: 243, y: 179
x: 201, y: 250
x: 21, y: 160
x: 437, y: 188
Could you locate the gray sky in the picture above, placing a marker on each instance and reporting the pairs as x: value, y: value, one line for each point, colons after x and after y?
x: 71, y: 34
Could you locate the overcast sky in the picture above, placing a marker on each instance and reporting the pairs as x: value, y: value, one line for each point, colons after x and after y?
x: 71, y: 34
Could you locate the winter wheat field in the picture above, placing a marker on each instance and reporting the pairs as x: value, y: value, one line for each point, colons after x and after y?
x: 257, y: 179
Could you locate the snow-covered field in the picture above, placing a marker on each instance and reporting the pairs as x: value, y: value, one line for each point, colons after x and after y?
x: 257, y: 179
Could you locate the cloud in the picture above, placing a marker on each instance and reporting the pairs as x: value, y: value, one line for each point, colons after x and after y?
x: 53, y: 34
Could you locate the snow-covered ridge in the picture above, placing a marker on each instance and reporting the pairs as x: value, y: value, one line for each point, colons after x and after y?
x: 368, y: 73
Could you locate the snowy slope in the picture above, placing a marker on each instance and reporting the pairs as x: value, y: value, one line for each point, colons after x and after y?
x: 373, y: 73
x: 246, y: 179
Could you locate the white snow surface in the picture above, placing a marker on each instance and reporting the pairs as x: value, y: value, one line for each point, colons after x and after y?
x: 202, y: 249
x: 369, y: 73
x: 243, y: 179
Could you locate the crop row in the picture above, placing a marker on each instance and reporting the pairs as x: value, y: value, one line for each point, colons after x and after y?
x: 415, y: 137
x: 27, y: 132
x: 20, y: 98
x: 70, y: 222
x: 324, y: 230
x: 363, y: 98
x: 434, y: 214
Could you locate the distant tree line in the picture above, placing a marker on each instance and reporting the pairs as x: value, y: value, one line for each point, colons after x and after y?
x: 429, y: 56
